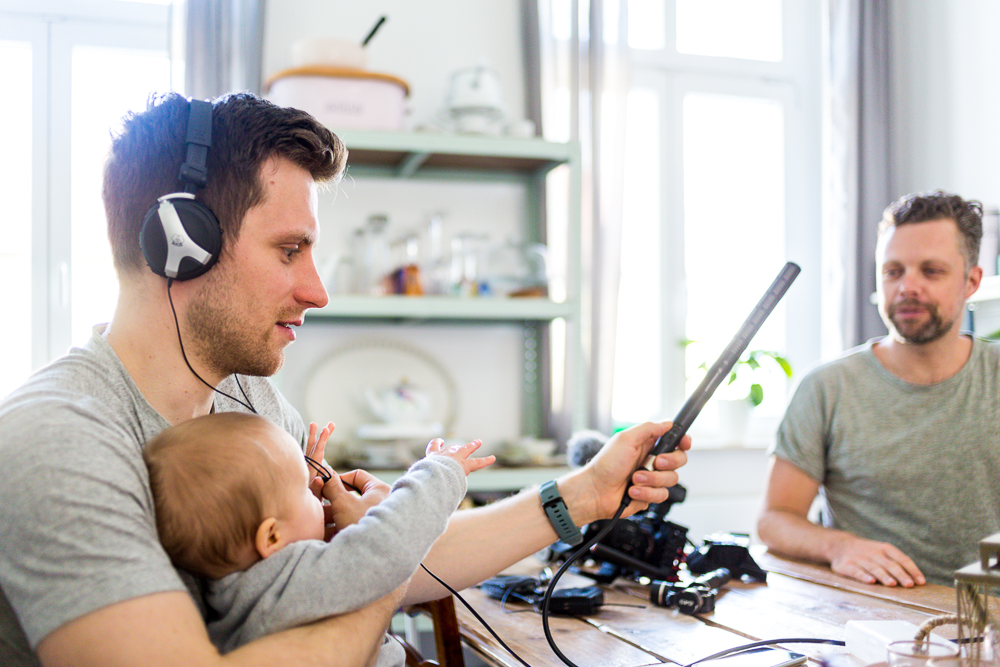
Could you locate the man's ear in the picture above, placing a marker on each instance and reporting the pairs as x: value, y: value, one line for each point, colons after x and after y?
x: 975, y: 278
x: 268, y: 538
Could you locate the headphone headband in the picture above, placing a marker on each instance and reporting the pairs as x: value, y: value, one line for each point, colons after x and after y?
x: 194, y: 171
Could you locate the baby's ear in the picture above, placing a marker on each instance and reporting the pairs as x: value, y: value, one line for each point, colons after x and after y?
x: 268, y: 538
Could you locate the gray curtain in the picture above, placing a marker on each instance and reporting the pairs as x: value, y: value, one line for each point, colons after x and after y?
x: 856, y: 167
x: 591, y: 65
x: 220, y: 43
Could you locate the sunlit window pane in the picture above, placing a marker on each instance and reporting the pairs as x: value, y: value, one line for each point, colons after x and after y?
x: 750, y: 29
x: 15, y: 223
x: 107, y: 83
x: 646, y: 24
x: 734, y: 223
x: 562, y: 20
x: 636, y: 395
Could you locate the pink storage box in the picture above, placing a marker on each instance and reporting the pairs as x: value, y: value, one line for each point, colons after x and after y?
x: 342, y: 98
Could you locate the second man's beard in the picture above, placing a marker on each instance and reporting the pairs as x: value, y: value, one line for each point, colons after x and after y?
x: 934, y: 328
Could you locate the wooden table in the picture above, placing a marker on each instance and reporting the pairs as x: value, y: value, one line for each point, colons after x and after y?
x: 798, y: 600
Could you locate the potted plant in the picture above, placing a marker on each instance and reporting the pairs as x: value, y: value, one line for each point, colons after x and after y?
x: 743, y: 390
x: 746, y: 369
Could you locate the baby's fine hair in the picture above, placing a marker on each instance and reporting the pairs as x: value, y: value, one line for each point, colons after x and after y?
x: 211, y: 478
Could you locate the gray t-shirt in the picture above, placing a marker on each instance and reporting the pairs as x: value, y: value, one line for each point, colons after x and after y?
x: 77, y: 518
x: 312, y: 579
x: 917, y: 466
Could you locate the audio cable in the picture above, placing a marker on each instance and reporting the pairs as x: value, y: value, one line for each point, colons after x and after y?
x: 248, y: 405
x: 767, y: 642
x: 476, y: 614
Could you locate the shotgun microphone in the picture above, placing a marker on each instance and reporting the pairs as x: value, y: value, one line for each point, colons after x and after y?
x: 724, y: 364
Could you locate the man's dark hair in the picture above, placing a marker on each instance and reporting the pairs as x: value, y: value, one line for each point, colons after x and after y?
x: 146, y: 155
x: 927, y: 206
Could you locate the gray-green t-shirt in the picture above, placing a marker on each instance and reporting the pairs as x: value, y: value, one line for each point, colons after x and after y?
x: 917, y: 466
x: 77, y: 513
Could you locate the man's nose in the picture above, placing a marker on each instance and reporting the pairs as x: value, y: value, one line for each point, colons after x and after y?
x: 911, y: 283
x: 310, y: 289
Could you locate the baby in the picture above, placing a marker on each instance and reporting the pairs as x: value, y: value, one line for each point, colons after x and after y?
x: 236, y: 503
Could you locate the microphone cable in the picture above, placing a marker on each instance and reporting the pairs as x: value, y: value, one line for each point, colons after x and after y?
x: 585, y: 547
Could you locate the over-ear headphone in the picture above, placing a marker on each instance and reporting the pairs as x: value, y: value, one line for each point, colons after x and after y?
x: 181, y: 237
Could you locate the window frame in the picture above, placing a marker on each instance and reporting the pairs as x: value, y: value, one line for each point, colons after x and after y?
x: 55, y: 27
x: 794, y: 82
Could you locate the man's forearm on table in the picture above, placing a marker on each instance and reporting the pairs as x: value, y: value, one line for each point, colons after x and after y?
x: 797, y: 536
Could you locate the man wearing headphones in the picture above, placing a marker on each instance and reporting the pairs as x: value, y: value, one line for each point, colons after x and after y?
x: 213, y: 280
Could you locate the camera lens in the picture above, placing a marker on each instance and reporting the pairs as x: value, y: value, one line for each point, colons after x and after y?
x: 662, y: 593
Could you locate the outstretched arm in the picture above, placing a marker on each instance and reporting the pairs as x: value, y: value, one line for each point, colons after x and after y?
x: 784, y: 526
x: 481, y: 542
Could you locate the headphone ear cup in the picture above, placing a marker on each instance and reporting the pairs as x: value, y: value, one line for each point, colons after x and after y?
x: 180, y: 237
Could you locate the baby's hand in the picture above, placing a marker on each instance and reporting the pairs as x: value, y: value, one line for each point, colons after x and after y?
x: 351, y: 495
x: 461, y: 454
x: 316, y: 450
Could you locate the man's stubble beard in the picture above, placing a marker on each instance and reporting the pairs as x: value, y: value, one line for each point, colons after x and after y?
x: 933, y: 329
x: 221, y: 341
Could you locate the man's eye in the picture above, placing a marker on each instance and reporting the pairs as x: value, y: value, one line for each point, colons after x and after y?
x: 290, y: 250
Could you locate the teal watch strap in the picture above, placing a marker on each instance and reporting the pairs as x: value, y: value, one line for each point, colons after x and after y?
x: 555, y: 509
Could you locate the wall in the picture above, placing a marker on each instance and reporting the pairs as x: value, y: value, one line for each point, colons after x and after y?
x: 420, y: 42
x: 946, y: 97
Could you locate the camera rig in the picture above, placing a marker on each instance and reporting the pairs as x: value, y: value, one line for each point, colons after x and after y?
x: 643, y: 545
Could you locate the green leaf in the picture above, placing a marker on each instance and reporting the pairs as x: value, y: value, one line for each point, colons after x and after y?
x: 756, y: 394
x: 785, y: 366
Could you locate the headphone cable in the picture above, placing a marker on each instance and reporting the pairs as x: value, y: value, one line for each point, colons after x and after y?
x: 177, y: 326
x: 476, y: 614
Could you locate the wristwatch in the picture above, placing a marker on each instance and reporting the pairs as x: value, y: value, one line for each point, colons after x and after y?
x: 555, y: 509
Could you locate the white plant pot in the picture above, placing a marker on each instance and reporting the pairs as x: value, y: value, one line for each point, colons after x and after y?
x: 734, y: 418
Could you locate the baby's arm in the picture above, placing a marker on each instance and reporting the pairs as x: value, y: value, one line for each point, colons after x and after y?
x: 461, y: 454
x: 347, y: 508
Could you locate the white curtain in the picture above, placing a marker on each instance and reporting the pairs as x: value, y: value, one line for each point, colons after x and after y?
x: 856, y: 167
x: 217, y: 46
x: 581, y: 68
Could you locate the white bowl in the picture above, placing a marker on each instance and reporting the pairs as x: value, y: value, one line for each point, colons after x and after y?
x: 328, y: 51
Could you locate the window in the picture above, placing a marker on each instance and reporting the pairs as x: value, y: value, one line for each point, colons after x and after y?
x: 76, y: 68
x: 99, y: 100
x: 722, y: 188
x: 15, y: 181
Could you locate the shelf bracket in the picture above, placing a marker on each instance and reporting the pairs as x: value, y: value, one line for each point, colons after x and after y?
x: 412, y: 162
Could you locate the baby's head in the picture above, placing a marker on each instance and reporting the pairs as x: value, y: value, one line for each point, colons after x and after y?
x: 229, y: 488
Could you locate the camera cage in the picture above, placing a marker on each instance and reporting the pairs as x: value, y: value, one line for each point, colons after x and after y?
x: 643, y: 545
